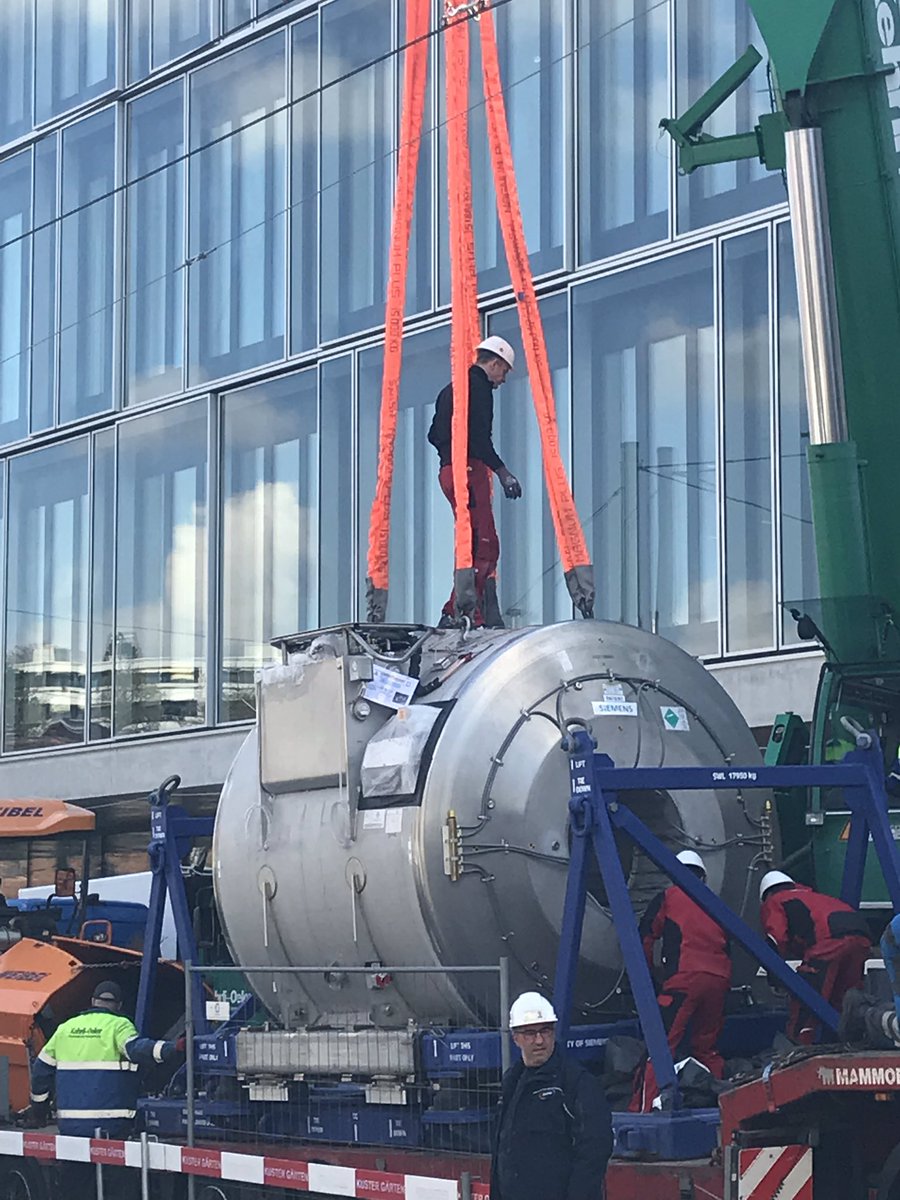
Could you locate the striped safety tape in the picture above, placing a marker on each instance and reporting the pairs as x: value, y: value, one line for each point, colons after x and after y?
x: 241, y: 1168
x: 785, y: 1172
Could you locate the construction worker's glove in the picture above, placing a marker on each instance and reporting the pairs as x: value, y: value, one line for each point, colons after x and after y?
x: 511, y: 487
x: 172, y: 1051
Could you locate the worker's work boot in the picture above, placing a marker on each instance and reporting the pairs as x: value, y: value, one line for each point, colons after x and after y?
x: 493, y: 618
x: 874, y: 1024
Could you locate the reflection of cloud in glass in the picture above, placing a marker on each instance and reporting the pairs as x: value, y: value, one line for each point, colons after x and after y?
x: 268, y: 566
x: 173, y: 624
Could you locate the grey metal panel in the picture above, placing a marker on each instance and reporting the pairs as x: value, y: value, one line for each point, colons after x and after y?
x: 371, y: 1052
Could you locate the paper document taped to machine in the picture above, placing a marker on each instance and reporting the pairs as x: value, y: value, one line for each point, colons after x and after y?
x: 390, y: 688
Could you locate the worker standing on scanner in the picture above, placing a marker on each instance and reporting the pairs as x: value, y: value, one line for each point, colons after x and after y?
x: 494, y: 359
x: 696, y: 965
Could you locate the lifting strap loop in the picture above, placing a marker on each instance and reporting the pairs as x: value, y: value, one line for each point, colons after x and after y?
x: 415, y: 75
x: 464, y: 304
x: 577, y: 566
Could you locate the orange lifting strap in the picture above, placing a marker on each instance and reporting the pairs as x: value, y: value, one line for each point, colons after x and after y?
x: 465, y: 332
x: 579, y: 572
x: 414, y: 80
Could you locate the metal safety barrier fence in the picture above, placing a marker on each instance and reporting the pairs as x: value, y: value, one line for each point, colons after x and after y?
x: 387, y: 1058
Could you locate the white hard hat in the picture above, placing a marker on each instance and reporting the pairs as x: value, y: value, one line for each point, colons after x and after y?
x: 772, y: 879
x: 690, y: 858
x: 501, y: 347
x: 531, y: 1008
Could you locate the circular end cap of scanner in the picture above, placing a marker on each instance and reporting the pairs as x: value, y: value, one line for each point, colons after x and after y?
x: 772, y: 879
x: 531, y: 1008
x: 690, y: 858
x: 501, y: 347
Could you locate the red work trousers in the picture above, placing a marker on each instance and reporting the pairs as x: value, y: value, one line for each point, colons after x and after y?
x: 832, y: 967
x: 485, y: 543
x: 693, y: 1011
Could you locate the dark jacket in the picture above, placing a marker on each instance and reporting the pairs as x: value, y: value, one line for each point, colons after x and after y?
x: 481, y: 421
x: 554, y: 1133
x: 796, y: 918
x: 691, y: 941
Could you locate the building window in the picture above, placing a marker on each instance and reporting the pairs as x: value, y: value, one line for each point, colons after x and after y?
x: 242, y: 12
x: 799, y: 571
x: 237, y: 207
x: 160, y: 641
x: 531, y: 586
x: 47, y: 597
x: 357, y: 165
x: 644, y: 436
x: 45, y: 292
x: 16, y: 68
x: 748, y: 449
x: 336, y: 517
x: 534, y: 74
x: 305, y: 185
x: 155, y: 256
x: 270, y: 528
x: 87, y: 255
x: 623, y: 91
x: 76, y: 53
x: 710, y: 37
x: 15, y: 294
x: 421, y: 554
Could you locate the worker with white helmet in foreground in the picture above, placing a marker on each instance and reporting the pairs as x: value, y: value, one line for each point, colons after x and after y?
x: 554, y: 1131
x: 695, y: 964
x: 494, y: 359
x: 829, y: 937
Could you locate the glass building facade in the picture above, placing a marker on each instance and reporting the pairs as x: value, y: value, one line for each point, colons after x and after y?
x: 195, y: 205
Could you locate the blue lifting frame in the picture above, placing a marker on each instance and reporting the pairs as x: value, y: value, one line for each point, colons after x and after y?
x: 172, y: 833
x: 595, y: 813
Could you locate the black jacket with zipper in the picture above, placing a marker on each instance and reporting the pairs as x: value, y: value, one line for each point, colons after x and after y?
x: 554, y: 1133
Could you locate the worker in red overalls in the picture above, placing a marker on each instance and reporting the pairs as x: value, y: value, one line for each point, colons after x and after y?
x: 493, y: 362
x: 696, y: 966
x: 829, y: 937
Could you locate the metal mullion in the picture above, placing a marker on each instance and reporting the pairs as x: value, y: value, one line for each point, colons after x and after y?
x: 672, y: 67
x: 288, y: 193
x: 320, y: 508
x: 89, y: 612
x: 4, y: 545
x: 354, y: 484
x: 721, y: 473
x: 114, y: 598
x: 319, y: 105
x: 186, y: 347
x: 57, y: 299
x: 214, y: 559
x: 775, y: 439
x: 29, y: 351
x: 570, y: 144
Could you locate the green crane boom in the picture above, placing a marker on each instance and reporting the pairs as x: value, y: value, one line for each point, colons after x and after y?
x: 835, y: 67
x: 835, y: 132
